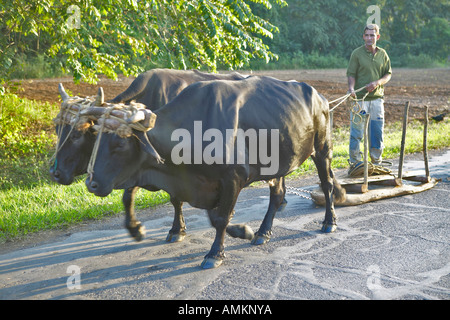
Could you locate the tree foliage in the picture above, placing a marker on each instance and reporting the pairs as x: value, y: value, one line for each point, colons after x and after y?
x: 332, y: 27
x: 89, y: 37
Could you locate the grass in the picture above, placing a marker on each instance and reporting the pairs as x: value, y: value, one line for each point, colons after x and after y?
x: 48, y: 206
x: 30, y: 202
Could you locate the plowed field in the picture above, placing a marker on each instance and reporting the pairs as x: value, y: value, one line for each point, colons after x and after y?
x: 420, y: 87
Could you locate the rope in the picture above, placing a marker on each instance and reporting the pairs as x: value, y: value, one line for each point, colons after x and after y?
x: 357, y: 108
x: 357, y: 170
x: 345, y: 97
x: 124, y: 130
x: 90, y: 168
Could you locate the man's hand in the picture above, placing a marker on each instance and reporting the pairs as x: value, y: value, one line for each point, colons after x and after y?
x: 372, y: 86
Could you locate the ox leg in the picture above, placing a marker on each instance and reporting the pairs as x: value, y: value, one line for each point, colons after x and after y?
x: 178, y: 231
x: 221, y: 216
x: 323, y: 164
x: 277, y: 192
x: 136, y: 230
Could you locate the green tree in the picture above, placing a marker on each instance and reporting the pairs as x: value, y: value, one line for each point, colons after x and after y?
x: 316, y: 30
x: 413, y: 26
x: 319, y: 26
x: 435, y: 38
x: 89, y: 37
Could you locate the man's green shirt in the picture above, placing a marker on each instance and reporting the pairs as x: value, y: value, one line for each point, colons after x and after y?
x: 366, y: 67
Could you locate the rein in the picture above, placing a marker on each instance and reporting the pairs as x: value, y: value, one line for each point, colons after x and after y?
x: 343, y: 98
x: 356, y: 107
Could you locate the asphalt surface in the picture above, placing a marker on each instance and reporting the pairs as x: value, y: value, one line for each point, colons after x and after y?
x: 394, y: 248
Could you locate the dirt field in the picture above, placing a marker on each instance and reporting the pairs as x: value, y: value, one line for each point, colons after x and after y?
x: 421, y: 87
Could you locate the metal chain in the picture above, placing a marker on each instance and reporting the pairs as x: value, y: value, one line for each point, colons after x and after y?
x: 298, y: 192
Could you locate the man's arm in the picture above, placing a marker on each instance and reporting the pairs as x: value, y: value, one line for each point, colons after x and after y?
x: 351, y: 86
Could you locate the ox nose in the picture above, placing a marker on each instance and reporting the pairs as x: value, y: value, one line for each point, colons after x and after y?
x: 92, y: 185
x: 55, y: 174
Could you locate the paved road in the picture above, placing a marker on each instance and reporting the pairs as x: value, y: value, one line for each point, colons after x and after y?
x: 390, y: 249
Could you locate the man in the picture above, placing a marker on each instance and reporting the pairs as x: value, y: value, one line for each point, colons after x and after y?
x: 369, y: 67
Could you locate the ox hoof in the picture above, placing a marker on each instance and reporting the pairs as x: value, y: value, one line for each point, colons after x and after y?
x: 260, y: 239
x: 138, y: 232
x: 328, y: 228
x: 241, y: 231
x: 175, y: 237
x: 211, y: 263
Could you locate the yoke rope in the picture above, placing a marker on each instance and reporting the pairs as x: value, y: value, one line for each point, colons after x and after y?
x: 90, y: 168
x: 124, y: 130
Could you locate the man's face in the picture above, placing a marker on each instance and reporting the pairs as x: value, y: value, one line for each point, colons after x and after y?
x: 370, y: 37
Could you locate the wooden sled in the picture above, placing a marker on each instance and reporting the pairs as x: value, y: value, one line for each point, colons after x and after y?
x: 372, y: 188
x: 379, y: 187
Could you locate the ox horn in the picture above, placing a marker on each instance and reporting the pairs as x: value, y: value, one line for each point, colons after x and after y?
x: 63, y: 92
x: 100, y: 97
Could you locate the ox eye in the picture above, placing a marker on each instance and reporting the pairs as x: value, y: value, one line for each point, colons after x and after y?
x: 119, y: 145
x: 76, y: 135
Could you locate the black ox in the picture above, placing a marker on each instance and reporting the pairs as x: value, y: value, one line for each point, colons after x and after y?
x: 295, y: 111
x: 154, y: 89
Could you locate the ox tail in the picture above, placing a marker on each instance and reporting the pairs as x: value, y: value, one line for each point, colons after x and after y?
x: 339, y: 193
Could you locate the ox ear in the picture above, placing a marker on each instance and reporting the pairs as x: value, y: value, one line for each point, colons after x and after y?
x: 62, y: 92
x: 147, y: 146
x: 100, y: 97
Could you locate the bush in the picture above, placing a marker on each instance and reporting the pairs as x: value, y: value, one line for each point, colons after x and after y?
x: 25, y: 127
x: 300, y: 60
x: 420, y: 61
x: 26, y: 136
x: 35, y: 67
